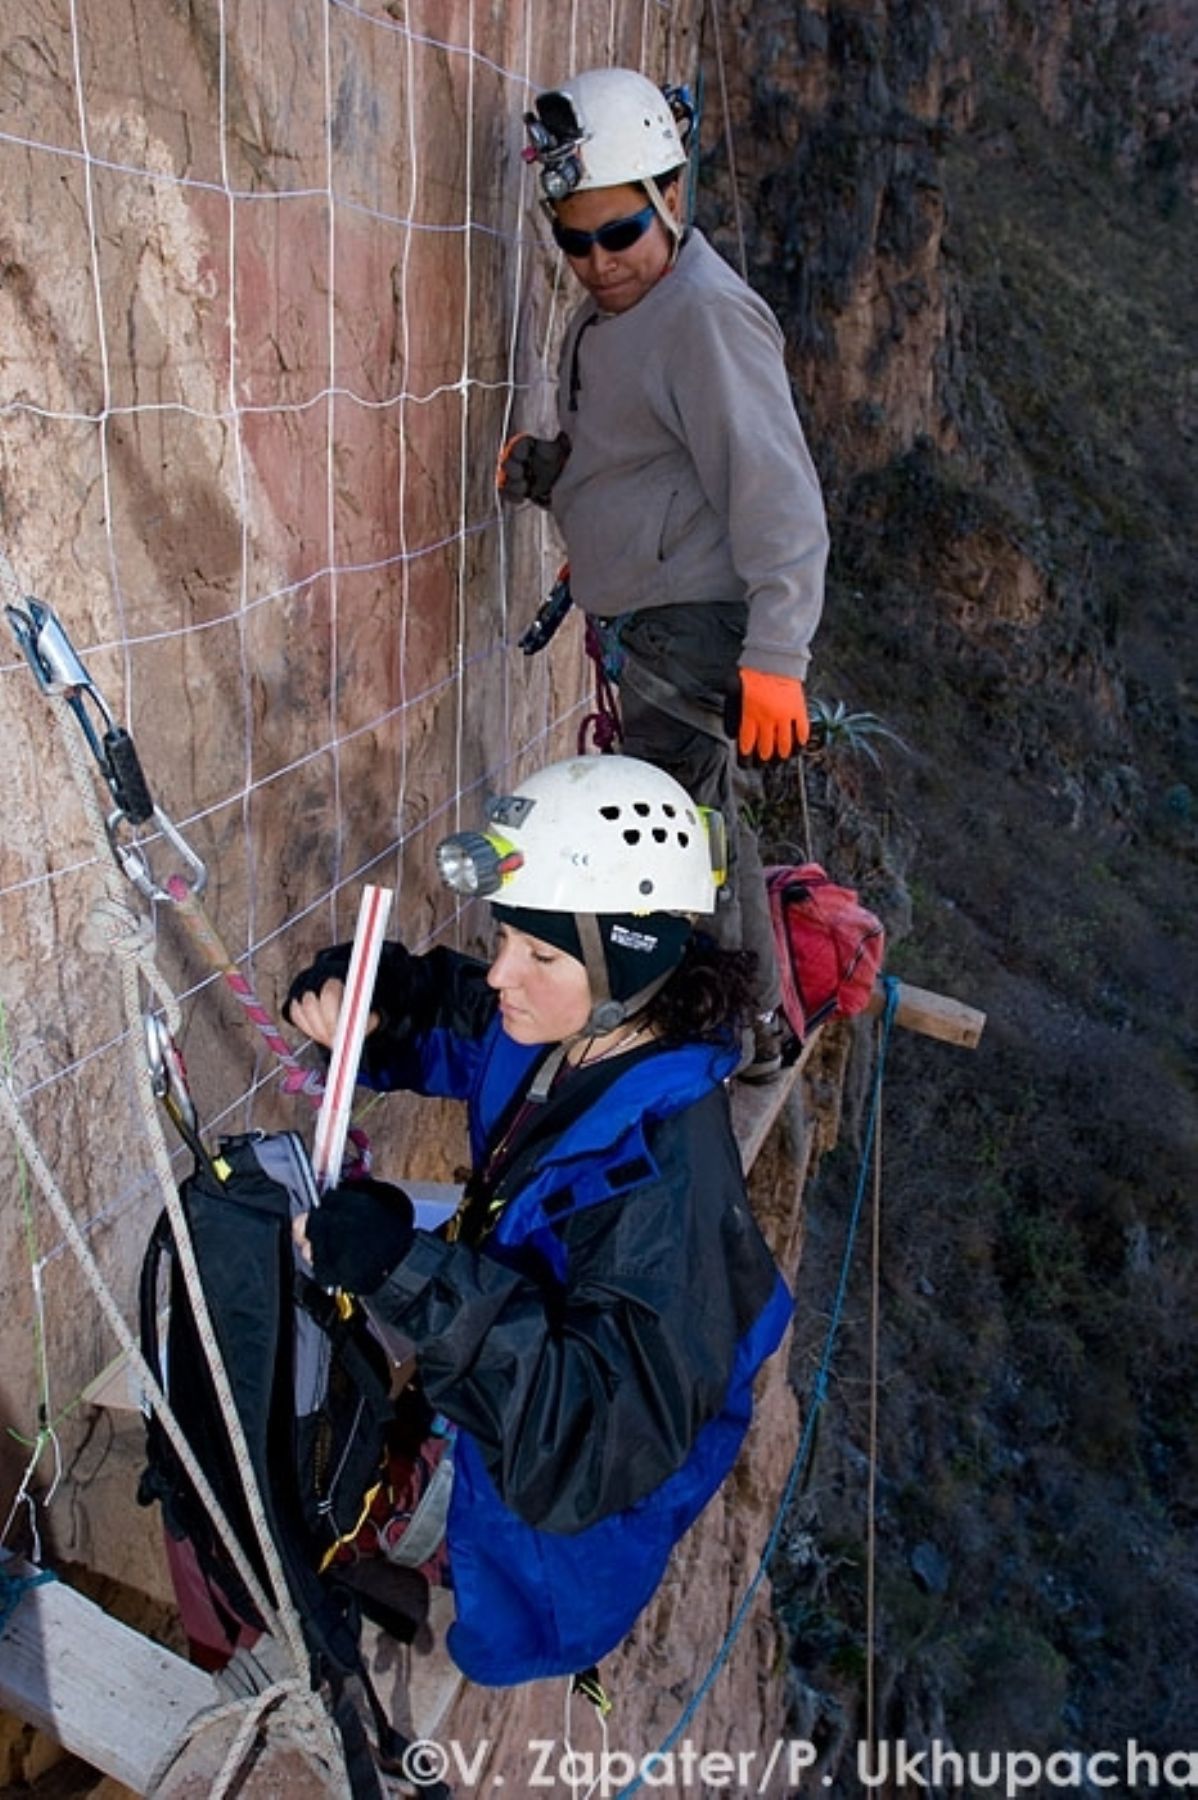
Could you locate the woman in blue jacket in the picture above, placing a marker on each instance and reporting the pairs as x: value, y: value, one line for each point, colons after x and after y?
x: 593, y: 1316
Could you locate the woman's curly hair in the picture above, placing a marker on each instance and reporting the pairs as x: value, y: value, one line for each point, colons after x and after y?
x: 709, y: 996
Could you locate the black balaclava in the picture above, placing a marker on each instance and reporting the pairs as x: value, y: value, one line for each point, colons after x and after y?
x: 638, y: 948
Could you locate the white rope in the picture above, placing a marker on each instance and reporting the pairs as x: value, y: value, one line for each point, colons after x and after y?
x: 410, y: 111
x: 603, y: 1760
x: 97, y: 284
x: 44, y: 1177
x: 140, y: 963
x: 243, y: 518
x: 464, y: 433
x: 330, y: 483
x: 286, y: 1695
x: 513, y: 346
x: 320, y: 1743
x: 728, y: 139
x: 46, y: 1433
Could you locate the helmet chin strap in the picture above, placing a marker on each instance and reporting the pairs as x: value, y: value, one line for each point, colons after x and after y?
x: 673, y: 226
x: 605, y: 1015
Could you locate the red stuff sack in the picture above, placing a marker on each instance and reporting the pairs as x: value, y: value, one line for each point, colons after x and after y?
x: 829, y: 946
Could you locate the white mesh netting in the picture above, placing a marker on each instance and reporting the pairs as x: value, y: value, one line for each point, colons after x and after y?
x: 273, y: 290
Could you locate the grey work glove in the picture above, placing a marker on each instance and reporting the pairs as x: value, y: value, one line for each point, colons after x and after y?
x: 528, y: 467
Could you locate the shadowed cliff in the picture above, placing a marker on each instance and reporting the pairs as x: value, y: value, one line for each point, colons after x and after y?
x: 977, y: 226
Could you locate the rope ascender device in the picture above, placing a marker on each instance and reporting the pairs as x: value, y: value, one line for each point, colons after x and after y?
x: 59, y: 670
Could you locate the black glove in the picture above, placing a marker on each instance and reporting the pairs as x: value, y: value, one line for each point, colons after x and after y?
x: 359, y: 1233
x: 331, y: 965
x: 392, y: 986
x: 529, y: 466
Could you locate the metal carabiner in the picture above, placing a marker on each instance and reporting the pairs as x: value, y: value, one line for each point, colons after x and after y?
x: 59, y: 669
x: 133, y: 862
x: 167, y: 1075
x: 168, y: 1078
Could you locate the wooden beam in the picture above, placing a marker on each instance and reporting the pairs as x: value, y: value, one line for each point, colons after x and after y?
x: 121, y: 1702
x: 93, y: 1685
x: 757, y: 1104
x: 933, y: 1015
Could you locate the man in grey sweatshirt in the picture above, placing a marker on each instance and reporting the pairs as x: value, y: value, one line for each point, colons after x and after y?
x: 680, y: 478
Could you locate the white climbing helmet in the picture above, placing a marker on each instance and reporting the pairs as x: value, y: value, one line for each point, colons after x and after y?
x: 595, y: 834
x: 603, y: 128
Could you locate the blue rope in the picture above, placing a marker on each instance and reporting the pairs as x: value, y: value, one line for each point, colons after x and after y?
x: 12, y: 1590
x: 818, y: 1396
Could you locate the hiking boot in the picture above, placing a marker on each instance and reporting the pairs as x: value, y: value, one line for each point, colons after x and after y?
x: 763, y: 1052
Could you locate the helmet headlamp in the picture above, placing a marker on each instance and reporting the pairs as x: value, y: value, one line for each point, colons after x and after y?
x: 476, y: 862
x: 606, y: 128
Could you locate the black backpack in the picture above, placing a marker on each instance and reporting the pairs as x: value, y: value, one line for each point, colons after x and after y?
x: 311, y: 1387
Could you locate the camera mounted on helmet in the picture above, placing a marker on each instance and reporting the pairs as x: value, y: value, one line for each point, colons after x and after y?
x: 554, y: 136
x: 607, y: 128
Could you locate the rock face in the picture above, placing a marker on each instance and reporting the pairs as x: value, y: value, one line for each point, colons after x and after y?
x: 273, y: 288
x: 273, y: 293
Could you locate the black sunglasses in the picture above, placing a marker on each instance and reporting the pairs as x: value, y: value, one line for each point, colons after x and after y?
x: 616, y: 235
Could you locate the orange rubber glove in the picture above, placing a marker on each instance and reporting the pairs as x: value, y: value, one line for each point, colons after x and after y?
x: 773, y: 715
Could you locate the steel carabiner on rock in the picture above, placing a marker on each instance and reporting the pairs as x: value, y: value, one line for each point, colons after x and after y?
x: 60, y: 670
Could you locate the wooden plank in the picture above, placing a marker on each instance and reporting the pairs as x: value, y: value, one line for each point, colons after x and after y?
x: 933, y: 1015
x: 757, y: 1104
x: 93, y: 1685
x: 118, y: 1386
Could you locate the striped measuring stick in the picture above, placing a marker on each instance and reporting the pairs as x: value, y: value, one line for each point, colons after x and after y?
x: 297, y: 1079
x: 332, y: 1121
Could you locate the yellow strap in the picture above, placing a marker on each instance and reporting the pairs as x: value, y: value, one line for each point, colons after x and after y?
x: 348, y: 1537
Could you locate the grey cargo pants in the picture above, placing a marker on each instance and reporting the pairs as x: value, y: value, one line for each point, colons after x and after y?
x: 691, y: 652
